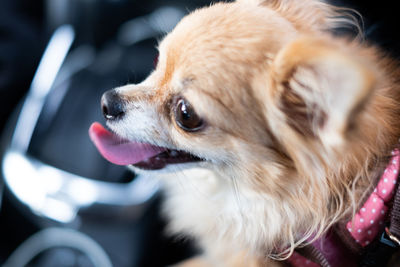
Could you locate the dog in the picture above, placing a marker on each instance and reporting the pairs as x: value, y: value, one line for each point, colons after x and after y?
x: 267, y: 127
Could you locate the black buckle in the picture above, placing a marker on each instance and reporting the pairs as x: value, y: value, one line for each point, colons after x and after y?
x: 379, y: 252
x: 389, y: 239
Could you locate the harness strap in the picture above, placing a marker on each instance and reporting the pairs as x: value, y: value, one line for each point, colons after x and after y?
x: 378, y: 250
x: 381, y: 250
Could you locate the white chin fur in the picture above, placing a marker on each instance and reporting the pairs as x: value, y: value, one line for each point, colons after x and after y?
x: 172, y: 169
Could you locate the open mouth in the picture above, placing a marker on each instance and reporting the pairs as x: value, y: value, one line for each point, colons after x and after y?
x: 124, y: 152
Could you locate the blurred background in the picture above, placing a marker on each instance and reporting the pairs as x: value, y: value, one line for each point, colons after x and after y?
x: 61, y: 204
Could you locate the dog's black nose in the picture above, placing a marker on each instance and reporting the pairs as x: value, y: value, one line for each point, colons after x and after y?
x: 112, y: 105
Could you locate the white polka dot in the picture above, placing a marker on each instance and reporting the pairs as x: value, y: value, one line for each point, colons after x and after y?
x: 382, y: 212
x: 372, y: 221
x: 366, y: 242
x: 359, y: 230
x: 369, y: 232
x: 375, y: 190
x: 394, y: 181
x: 349, y: 230
x: 373, y: 210
x: 385, y: 180
x: 363, y: 209
x: 358, y: 241
x: 384, y: 191
x: 394, y: 171
x: 385, y: 171
x: 374, y: 200
x: 361, y: 220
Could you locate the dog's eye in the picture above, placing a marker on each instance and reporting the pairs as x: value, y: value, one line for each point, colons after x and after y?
x: 186, y: 117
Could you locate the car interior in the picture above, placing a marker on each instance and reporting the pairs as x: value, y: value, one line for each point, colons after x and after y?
x: 61, y: 203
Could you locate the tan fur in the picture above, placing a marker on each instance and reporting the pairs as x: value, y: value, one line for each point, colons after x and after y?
x: 299, y: 122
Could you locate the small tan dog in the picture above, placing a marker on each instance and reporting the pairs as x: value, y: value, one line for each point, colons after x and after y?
x: 266, y: 128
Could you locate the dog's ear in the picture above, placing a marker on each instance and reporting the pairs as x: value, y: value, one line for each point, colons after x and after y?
x: 322, y: 88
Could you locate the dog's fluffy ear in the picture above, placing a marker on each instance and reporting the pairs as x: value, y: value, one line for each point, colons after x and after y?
x: 321, y: 88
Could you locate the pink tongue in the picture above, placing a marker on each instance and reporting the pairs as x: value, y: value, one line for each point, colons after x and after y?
x: 120, y: 151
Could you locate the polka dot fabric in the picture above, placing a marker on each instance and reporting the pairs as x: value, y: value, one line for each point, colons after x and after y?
x: 368, y: 222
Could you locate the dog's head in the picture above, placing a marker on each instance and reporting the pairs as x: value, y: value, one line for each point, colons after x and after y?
x: 258, y: 92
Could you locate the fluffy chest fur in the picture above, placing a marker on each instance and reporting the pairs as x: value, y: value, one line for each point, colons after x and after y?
x: 201, y: 204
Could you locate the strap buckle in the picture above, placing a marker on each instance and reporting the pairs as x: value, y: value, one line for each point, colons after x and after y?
x: 389, y: 239
x: 379, y: 252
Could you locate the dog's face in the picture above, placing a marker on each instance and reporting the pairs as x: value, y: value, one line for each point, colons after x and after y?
x: 221, y: 92
x: 200, y: 99
x: 255, y: 91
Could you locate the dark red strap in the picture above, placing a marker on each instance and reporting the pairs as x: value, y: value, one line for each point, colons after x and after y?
x: 394, y: 227
x: 381, y: 250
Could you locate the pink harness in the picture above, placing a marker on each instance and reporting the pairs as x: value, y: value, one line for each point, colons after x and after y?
x: 368, y: 222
